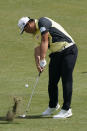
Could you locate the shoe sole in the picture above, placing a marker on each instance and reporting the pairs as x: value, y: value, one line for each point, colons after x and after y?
x: 62, y: 117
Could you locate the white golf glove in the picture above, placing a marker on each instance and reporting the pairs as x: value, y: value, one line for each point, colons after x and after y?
x: 43, y: 63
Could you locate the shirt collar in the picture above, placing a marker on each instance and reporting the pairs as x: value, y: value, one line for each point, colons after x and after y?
x: 37, y: 27
x: 36, y: 22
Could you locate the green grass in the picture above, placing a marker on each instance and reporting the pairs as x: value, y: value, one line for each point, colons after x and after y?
x: 17, y: 66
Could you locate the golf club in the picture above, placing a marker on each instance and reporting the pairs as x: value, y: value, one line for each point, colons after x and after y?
x: 29, y: 102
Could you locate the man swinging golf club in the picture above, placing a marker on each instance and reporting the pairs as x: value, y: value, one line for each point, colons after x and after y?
x: 51, y: 35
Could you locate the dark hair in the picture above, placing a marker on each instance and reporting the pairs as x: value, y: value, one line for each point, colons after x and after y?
x: 31, y: 20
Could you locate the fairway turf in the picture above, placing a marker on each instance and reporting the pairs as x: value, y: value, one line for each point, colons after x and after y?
x: 17, y: 66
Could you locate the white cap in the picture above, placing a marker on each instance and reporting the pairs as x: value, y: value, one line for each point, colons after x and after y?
x: 22, y: 23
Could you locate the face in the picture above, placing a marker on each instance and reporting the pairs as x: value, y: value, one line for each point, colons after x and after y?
x: 29, y: 28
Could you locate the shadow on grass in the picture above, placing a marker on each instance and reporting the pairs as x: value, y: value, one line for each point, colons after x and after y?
x: 2, y: 118
x: 85, y: 72
x: 35, y: 117
x: 4, y: 121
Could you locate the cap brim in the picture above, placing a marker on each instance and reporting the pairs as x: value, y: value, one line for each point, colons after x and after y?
x: 21, y: 31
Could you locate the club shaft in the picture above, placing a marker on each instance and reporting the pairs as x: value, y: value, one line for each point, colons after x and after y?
x: 32, y: 93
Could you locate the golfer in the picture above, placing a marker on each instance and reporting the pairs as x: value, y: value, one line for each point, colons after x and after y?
x: 63, y: 53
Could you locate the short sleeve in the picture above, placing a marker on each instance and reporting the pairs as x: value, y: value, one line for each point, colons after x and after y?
x: 44, y: 25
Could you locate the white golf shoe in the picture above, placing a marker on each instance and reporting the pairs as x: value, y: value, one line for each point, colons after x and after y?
x: 63, y: 114
x: 50, y: 111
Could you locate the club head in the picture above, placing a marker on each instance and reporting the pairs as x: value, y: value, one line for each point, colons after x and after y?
x: 22, y: 116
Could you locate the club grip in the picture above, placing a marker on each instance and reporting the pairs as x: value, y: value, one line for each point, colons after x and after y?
x: 39, y: 73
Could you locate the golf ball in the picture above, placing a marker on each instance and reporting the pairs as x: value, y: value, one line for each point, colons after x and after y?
x: 26, y: 85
